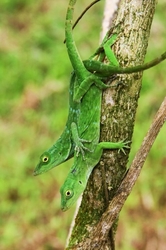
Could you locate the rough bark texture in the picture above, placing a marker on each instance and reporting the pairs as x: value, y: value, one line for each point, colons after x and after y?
x: 117, y: 122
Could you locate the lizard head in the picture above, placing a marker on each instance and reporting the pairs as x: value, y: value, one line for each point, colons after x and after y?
x: 70, y: 192
x: 45, y: 163
x: 49, y: 159
x: 55, y: 155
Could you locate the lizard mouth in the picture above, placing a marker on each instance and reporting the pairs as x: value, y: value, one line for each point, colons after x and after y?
x: 34, y: 173
x: 64, y: 209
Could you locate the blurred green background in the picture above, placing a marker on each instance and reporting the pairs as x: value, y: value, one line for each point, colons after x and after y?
x: 34, y: 80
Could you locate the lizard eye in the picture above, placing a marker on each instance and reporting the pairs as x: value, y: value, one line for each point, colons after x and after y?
x: 45, y: 159
x: 69, y: 194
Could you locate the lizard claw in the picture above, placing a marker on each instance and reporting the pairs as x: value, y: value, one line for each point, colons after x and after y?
x: 81, y: 148
x: 124, y: 146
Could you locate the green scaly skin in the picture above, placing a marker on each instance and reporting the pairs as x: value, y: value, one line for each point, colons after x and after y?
x: 90, y: 110
x: 63, y: 149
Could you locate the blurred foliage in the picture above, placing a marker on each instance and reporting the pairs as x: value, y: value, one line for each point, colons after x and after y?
x: 34, y: 80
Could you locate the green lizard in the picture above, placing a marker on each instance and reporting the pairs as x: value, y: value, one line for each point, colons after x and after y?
x: 63, y: 149
x: 77, y: 178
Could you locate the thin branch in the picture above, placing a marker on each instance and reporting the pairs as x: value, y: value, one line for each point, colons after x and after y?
x: 82, y: 14
x: 101, y: 231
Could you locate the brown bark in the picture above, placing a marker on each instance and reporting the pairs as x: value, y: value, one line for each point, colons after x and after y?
x: 119, y: 106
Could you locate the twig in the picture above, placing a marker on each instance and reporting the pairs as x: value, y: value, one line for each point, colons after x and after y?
x: 82, y: 14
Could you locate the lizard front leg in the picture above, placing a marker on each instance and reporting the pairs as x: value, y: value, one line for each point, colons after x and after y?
x: 79, y: 146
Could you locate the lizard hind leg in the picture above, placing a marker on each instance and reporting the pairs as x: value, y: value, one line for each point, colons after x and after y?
x: 86, y: 84
x: 79, y: 146
x: 108, y: 51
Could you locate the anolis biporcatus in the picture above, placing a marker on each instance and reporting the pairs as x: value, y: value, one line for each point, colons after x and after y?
x: 63, y: 149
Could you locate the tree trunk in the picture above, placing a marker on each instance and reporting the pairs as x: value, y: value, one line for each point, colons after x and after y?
x: 132, y: 24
